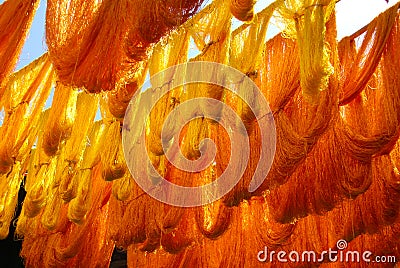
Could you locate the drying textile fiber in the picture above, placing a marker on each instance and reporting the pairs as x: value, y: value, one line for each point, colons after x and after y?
x: 335, y: 104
